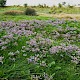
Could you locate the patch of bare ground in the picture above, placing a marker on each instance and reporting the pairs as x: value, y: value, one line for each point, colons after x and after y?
x: 62, y: 15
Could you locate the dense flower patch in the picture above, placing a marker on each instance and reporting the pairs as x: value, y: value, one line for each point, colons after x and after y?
x: 38, y: 49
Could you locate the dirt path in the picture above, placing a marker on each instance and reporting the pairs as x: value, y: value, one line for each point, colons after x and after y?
x: 62, y: 15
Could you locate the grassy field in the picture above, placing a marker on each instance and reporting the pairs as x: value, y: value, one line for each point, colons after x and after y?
x: 43, y: 13
x: 43, y: 47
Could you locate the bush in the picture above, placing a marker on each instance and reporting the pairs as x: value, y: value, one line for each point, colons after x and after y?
x: 30, y: 11
x: 70, y: 6
x: 13, y: 12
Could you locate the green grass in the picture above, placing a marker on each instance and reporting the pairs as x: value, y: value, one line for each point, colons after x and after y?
x: 22, y: 17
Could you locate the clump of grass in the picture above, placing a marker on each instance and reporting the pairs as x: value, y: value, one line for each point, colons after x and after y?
x: 30, y: 11
x: 13, y: 12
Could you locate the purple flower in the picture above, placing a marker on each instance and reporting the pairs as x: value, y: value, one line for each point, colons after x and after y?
x: 33, y: 42
x: 54, y: 50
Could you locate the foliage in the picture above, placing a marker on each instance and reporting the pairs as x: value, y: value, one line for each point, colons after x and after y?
x: 30, y: 11
x: 2, y: 3
x: 67, y: 10
x: 70, y: 6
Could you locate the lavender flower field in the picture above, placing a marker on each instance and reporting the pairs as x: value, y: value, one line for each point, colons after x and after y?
x: 40, y: 50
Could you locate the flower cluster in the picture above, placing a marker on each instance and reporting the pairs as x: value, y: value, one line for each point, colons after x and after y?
x: 63, y: 48
x: 71, y: 50
x: 38, y: 39
x: 40, y: 45
x: 70, y: 34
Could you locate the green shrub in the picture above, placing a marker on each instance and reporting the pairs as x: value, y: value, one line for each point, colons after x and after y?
x: 30, y: 11
x: 13, y: 12
x: 70, y: 6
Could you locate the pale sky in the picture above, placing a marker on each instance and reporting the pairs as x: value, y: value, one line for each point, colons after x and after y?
x: 36, y: 2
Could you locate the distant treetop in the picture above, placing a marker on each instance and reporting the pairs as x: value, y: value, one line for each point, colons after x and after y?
x: 2, y: 3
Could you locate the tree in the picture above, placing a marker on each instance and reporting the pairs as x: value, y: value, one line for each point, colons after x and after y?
x: 60, y: 5
x: 25, y: 5
x: 63, y: 3
x: 2, y: 3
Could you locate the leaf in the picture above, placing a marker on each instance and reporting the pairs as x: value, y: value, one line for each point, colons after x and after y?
x: 52, y: 63
x: 57, y: 68
x: 51, y: 76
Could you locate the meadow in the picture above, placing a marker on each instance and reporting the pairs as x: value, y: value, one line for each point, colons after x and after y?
x: 44, y: 13
x: 42, y: 47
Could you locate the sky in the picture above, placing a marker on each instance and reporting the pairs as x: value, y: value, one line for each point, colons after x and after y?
x: 36, y: 2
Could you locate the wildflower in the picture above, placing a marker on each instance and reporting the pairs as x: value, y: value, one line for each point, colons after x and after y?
x: 28, y: 33
x: 23, y: 51
x: 11, y: 54
x: 43, y: 63
x: 54, y: 50
x: 23, y: 47
x: 71, y: 48
x: 12, y: 59
x: 3, y: 47
x: 33, y: 42
x: 24, y: 54
x: 15, y: 44
x: 17, y: 52
x: 1, y: 59
x: 74, y: 59
x: 79, y: 36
